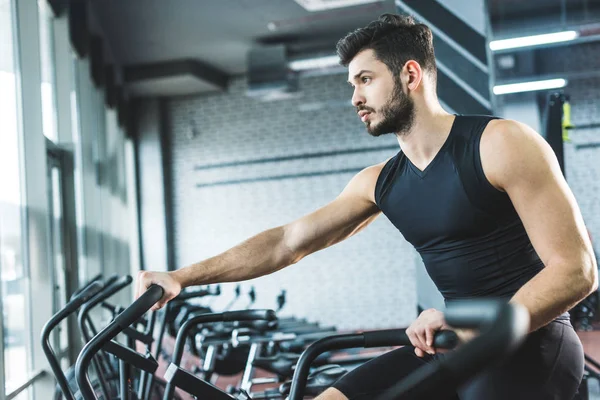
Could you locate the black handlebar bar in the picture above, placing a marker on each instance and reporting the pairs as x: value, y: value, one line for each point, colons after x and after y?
x: 391, y: 337
x: 199, y: 293
x: 383, y: 338
x: 123, y: 320
x: 504, y: 327
x: 182, y: 334
x: 83, y: 295
x: 88, y: 284
x: 107, y: 292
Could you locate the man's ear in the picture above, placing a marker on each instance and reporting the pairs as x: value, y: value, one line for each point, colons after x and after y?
x: 413, y: 75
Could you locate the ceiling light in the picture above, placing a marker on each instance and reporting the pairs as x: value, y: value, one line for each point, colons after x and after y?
x: 535, y: 40
x: 320, y: 5
x: 314, y: 63
x: 530, y: 86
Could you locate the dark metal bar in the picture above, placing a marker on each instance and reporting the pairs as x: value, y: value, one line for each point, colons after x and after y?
x: 34, y: 377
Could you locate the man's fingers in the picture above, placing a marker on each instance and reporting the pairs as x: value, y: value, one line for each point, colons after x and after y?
x: 170, y: 286
x: 416, y: 341
x: 160, y: 304
x: 429, y: 332
x: 423, y: 340
x: 419, y: 352
x: 412, y: 336
x: 141, y: 286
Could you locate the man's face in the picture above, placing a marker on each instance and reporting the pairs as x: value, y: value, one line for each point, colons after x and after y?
x: 378, y: 96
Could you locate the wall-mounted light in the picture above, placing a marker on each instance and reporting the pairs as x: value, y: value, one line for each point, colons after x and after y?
x: 314, y: 63
x: 530, y: 86
x: 535, y: 40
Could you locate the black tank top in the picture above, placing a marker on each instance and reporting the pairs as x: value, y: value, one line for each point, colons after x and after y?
x: 467, y: 232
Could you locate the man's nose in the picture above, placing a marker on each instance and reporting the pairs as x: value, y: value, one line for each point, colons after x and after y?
x: 357, y: 98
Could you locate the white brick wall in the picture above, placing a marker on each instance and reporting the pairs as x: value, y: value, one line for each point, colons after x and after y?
x: 367, y: 281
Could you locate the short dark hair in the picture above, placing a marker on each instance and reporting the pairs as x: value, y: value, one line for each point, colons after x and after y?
x: 395, y: 39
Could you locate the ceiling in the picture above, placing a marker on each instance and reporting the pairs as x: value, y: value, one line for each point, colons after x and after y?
x: 219, y: 33
x: 520, y: 9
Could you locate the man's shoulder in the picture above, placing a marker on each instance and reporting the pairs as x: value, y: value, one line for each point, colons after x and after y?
x: 506, y: 133
x: 509, y: 146
x: 372, y: 172
x: 364, y: 182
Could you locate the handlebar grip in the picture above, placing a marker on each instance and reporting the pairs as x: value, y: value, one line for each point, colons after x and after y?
x: 388, y: 337
x: 470, y: 314
x: 193, y: 294
x: 444, y: 339
x: 87, y: 293
x: 139, y: 307
x: 87, y: 285
x: 248, y: 315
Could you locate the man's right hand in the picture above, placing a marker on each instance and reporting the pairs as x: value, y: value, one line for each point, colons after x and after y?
x: 166, y: 280
x: 422, y: 330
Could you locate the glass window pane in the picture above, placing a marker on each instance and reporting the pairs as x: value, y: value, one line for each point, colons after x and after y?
x: 59, y: 278
x: 13, y: 280
x: 45, y: 17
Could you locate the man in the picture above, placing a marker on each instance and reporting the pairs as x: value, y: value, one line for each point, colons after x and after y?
x: 482, y: 200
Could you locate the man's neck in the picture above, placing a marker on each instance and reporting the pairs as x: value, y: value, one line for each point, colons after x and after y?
x: 429, y: 132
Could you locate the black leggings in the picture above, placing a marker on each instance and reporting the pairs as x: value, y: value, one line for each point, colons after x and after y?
x: 548, y: 366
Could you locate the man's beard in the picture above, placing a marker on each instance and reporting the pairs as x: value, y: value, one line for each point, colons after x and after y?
x: 398, y: 114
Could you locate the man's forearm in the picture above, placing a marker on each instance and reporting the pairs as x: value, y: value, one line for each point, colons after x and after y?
x: 553, y: 291
x: 260, y: 255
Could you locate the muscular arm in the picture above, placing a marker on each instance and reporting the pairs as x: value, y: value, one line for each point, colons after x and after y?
x: 279, y: 247
x: 518, y: 161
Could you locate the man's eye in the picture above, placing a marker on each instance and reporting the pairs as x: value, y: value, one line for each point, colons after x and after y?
x: 365, y: 79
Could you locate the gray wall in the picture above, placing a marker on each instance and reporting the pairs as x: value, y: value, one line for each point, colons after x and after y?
x: 366, y: 281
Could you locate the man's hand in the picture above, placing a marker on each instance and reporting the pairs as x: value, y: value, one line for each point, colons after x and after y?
x: 422, y: 330
x: 170, y: 285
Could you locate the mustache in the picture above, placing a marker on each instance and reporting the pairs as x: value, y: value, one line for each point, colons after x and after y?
x: 363, y: 108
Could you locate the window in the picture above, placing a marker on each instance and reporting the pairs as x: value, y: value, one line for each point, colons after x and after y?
x: 46, y: 17
x: 14, y: 283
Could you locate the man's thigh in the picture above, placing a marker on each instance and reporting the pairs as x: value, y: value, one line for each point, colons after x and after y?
x: 374, y: 377
x: 549, y: 366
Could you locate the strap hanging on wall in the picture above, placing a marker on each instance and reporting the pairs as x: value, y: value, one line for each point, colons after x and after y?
x: 554, y: 126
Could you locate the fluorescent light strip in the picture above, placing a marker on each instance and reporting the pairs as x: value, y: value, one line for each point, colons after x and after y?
x: 314, y: 63
x: 530, y: 86
x: 535, y: 40
x: 320, y: 5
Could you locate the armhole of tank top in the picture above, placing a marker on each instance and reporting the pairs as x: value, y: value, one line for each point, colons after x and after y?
x: 380, y: 177
x: 480, y: 192
x: 491, y: 193
x: 479, y: 165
